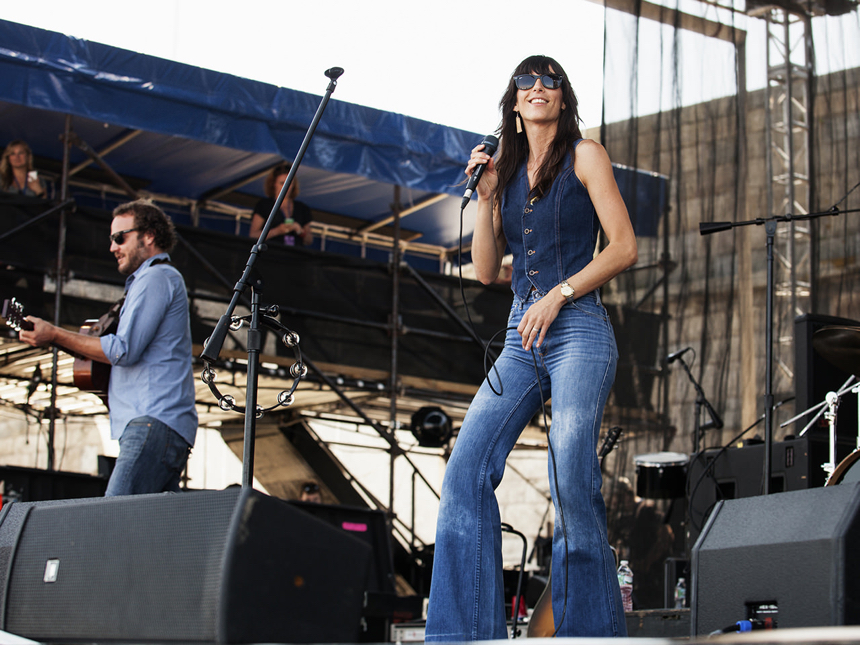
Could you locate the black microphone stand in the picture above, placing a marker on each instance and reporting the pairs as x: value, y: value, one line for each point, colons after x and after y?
x: 705, y: 228
x: 250, y: 279
x: 701, y: 401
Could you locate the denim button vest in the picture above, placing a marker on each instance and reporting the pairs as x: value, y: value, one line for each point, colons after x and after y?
x: 552, y: 238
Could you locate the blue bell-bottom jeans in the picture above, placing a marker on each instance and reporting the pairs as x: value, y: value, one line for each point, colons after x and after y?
x: 576, y: 365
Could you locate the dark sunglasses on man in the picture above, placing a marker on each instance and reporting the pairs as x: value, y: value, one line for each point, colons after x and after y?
x: 119, y: 237
x: 527, y: 81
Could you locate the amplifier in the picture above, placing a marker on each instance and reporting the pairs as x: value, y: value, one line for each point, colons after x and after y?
x: 735, y: 473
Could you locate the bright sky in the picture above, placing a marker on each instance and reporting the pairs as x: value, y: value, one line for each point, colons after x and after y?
x: 443, y: 61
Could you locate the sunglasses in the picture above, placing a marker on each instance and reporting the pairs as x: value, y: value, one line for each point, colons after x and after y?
x: 310, y: 488
x: 527, y: 81
x: 119, y: 237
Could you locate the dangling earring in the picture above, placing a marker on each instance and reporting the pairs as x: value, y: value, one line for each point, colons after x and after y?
x: 519, y: 123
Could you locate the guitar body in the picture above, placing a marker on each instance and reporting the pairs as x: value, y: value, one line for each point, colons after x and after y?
x: 541, y: 623
x: 89, y: 375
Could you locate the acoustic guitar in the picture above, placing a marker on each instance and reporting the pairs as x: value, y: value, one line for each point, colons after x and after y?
x: 541, y: 622
x: 88, y: 375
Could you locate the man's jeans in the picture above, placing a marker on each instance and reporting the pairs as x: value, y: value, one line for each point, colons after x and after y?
x: 151, y: 459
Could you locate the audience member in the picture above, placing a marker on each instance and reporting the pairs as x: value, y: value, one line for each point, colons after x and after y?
x: 294, y: 227
x: 16, y: 171
x: 311, y: 493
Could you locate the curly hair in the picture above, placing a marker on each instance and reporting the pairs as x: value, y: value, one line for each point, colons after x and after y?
x: 6, y: 176
x: 282, y: 168
x: 514, y: 148
x: 149, y: 218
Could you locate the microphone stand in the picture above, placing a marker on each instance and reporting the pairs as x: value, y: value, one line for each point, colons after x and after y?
x: 706, y: 228
x: 249, y: 279
x: 701, y: 401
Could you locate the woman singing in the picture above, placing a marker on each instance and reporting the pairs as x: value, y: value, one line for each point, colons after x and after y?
x: 545, y: 196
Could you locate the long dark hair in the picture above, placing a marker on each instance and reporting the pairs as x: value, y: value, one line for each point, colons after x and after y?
x: 514, y: 148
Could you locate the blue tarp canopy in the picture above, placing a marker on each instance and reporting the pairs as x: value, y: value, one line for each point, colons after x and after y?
x: 203, y: 131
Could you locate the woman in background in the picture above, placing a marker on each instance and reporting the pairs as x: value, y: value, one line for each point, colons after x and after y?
x: 293, y: 228
x: 16, y: 171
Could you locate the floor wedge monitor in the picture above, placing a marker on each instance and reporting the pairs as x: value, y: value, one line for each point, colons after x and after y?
x: 232, y: 566
x: 788, y: 558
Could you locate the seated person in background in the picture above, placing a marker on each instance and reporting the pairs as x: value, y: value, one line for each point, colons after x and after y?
x: 16, y: 171
x: 295, y: 227
x: 311, y: 493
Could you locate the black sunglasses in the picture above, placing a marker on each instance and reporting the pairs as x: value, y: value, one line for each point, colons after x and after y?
x: 119, y: 237
x: 310, y: 488
x: 527, y: 81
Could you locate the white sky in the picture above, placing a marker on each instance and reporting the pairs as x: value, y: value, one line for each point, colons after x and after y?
x: 442, y: 61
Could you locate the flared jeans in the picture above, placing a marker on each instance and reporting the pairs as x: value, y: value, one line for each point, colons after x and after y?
x: 576, y: 367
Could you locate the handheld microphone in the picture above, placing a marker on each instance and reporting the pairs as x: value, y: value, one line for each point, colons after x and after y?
x: 490, y: 144
x: 671, y: 358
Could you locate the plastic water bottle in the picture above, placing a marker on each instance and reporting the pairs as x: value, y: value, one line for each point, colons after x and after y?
x: 680, y: 593
x: 625, y: 581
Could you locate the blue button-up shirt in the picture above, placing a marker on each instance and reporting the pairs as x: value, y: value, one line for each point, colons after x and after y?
x: 551, y: 238
x: 151, y: 353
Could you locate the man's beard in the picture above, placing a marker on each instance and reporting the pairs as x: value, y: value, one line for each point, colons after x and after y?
x: 133, y: 259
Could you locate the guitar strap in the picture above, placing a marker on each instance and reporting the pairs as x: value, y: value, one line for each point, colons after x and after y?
x: 108, y: 323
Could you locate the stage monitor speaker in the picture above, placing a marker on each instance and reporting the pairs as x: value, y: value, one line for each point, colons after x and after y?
x: 232, y: 566
x: 738, y: 472
x: 791, y: 557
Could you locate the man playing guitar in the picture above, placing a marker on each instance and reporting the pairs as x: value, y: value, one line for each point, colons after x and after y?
x: 151, y: 389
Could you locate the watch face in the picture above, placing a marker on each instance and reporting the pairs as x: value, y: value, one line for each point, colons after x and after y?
x: 566, y: 290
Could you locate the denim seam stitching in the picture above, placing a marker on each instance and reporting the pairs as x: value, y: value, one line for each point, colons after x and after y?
x: 608, y: 589
x: 480, y: 497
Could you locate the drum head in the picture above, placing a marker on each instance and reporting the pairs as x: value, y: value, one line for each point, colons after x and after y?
x: 661, y: 475
x: 661, y: 459
x: 847, y: 472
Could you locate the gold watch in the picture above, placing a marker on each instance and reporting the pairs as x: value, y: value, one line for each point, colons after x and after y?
x: 567, y: 291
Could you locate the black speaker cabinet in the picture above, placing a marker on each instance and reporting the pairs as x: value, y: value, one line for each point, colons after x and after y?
x: 232, y: 566
x: 791, y: 557
x: 367, y: 525
x: 814, y: 377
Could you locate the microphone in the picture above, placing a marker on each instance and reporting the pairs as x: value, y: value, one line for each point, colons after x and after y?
x: 490, y: 144
x: 671, y: 358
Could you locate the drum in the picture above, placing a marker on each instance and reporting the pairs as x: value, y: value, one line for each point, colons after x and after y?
x: 661, y: 475
x: 848, y: 470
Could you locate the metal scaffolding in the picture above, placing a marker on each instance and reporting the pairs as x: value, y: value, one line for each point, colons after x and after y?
x: 788, y: 139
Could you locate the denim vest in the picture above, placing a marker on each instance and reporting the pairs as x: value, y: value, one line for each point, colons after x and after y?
x: 551, y: 238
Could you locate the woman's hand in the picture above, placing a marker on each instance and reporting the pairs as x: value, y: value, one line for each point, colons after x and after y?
x: 538, y: 318
x: 490, y: 179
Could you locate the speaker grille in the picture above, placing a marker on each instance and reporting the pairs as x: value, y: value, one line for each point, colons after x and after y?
x: 113, y: 572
